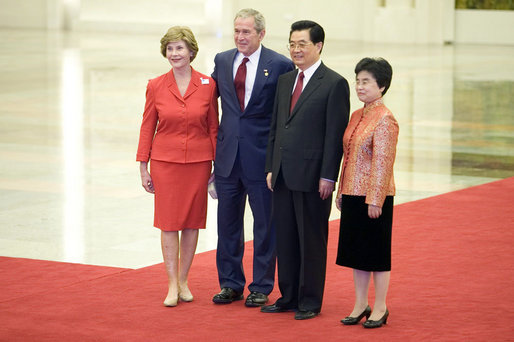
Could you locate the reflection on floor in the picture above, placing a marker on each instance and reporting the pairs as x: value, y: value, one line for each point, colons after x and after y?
x: 70, y: 110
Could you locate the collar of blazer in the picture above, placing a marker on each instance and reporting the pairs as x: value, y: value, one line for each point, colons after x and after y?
x: 230, y: 77
x: 264, y: 70
x: 191, y: 88
x: 261, y: 77
x: 309, y: 89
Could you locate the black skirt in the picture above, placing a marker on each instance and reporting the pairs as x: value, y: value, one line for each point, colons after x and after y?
x: 365, y: 243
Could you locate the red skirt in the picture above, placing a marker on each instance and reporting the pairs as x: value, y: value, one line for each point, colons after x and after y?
x: 180, y: 194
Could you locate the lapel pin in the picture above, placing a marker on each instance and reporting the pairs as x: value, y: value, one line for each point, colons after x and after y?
x: 266, y: 72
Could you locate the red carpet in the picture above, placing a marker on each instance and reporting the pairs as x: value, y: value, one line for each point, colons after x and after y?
x: 452, y: 280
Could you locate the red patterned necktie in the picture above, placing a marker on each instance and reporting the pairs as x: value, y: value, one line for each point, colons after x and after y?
x: 239, y: 83
x: 297, y: 91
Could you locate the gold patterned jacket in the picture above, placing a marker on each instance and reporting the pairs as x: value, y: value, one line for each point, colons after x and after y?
x: 369, y: 145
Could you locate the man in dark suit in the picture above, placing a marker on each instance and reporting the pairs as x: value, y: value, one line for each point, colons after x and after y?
x: 246, y: 78
x: 303, y: 158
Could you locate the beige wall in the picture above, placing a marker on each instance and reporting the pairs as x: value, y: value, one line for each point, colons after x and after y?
x: 484, y: 27
x: 25, y: 14
x: 388, y: 21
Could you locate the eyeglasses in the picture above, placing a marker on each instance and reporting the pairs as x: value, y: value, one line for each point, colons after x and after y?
x: 362, y: 83
x: 301, y: 46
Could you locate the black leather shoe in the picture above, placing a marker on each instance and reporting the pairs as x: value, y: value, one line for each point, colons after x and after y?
x: 274, y: 309
x: 256, y: 299
x: 376, y: 324
x: 354, y: 320
x: 227, y: 296
x: 300, y: 315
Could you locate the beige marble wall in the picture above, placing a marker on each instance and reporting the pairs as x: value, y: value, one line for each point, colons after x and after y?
x: 399, y: 21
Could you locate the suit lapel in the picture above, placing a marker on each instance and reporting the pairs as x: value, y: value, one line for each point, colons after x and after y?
x: 309, y: 89
x: 288, y: 88
x: 261, y: 77
x: 229, y: 76
x: 172, y: 85
x: 191, y: 88
x: 193, y: 84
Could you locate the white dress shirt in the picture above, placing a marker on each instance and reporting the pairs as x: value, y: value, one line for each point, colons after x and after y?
x: 307, y: 74
x: 251, y: 71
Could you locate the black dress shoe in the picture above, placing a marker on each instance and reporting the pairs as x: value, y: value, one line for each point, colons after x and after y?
x: 300, y: 315
x: 227, y: 296
x: 256, y: 299
x: 354, y: 320
x: 274, y: 308
x: 376, y: 324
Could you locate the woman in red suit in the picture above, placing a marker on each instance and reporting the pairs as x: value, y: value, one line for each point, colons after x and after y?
x: 178, y: 135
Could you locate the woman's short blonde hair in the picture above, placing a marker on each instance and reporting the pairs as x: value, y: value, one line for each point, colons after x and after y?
x: 178, y: 33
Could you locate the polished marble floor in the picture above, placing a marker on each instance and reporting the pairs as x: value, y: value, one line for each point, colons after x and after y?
x: 71, y: 105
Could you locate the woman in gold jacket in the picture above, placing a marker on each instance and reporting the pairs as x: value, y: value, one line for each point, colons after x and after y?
x: 366, y: 191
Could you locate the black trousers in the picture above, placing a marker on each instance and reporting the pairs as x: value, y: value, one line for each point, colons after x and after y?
x: 301, y: 220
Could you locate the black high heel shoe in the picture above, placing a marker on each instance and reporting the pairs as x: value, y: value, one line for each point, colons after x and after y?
x: 376, y: 324
x: 354, y: 320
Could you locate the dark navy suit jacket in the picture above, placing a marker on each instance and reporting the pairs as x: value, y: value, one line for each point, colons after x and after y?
x: 247, y: 130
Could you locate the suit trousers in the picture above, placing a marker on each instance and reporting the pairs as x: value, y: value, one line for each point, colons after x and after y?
x: 302, y: 234
x: 232, y: 193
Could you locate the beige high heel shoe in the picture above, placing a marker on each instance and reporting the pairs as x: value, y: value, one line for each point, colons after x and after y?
x: 170, y: 302
x: 185, y: 295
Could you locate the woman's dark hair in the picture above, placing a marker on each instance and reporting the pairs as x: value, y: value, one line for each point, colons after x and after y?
x: 316, y: 32
x: 379, y: 68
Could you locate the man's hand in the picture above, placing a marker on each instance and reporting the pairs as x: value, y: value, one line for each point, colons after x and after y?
x: 325, y: 188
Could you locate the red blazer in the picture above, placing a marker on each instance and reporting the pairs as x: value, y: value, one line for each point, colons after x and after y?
x: 179, y: 129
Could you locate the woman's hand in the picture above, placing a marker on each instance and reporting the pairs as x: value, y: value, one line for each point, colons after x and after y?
x: 146, y: 179
x: 374, y: 211
x: 339, y: 200
x: 211, y: 187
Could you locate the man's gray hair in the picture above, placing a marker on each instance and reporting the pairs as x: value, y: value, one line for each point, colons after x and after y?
x: 260, y: 23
